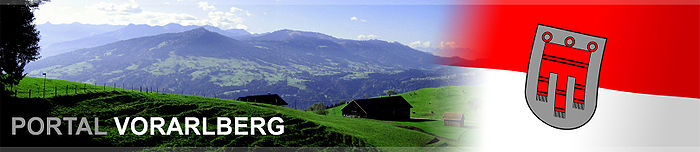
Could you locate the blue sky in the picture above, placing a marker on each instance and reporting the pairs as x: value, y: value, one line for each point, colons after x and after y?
x: 417, y: 23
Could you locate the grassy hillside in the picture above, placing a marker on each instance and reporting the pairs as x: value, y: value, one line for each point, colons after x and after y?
x: 303, y: 67
x: 56, y: 87
x: 301, y: 128
x: 429, y: 104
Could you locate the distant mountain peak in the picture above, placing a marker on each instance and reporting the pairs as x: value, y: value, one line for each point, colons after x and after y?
x: 172, y: 24
x: 287, y: 34
x: 199, y: 29
x: 203, y: 32
x: 137, y: 26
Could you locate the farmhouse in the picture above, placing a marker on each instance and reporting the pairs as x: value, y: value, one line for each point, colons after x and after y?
x: 393, y: 108
x: 453, y: 119
x: 266, y: 98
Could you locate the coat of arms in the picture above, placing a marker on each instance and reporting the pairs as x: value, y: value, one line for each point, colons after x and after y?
x: 562, y: 77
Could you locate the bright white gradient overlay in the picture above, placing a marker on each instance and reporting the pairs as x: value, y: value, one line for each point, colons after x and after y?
x: 623, y: 121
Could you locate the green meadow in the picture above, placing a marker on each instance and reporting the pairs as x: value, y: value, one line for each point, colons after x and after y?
x: 429, y: 104
x: 302, y: 128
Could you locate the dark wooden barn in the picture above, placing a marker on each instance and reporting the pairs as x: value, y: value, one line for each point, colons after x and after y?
x: 266, y: 98
x: 390, y: 108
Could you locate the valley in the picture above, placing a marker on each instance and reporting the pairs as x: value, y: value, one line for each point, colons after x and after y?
x: 302, y: 67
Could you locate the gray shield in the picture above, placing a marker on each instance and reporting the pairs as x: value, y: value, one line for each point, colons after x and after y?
x: 577, y: 112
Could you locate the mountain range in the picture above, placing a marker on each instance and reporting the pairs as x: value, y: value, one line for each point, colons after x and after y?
x: 303, y: 67
x: 104, y: 34
x: 55, y: 33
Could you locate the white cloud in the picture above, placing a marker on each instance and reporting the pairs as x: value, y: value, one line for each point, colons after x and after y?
x: 355, y: 19
x: 108, y: 13
x: 241, y: 26
x: 367, y: 37
x: 205, y: 6
x: 448, y: 45
x: 228, y: 20
x: 419, y: 44
x: 130, y: 12
x: 124, y: 8
x: 238, y: 10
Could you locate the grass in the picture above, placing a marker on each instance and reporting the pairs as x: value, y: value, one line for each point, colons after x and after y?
x: 56, y: 87
x: 302, y: 128
x: 429, y: 104
x: 432, y: 103
x: 452, y: 135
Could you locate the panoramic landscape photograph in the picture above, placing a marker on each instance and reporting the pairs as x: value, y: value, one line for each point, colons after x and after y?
x: 364, y: 76
x: 360, y: 75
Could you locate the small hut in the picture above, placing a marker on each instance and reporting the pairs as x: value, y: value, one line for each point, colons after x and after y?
x: 390, y: 108
x: 273, y: 99
x: 453, y: 119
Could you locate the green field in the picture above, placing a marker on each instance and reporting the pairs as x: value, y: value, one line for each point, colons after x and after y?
x: 429, y: 104
x: 302, y: 128
x: 56, y: 87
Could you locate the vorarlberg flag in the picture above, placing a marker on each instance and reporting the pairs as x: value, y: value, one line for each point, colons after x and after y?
x: 640, y: 94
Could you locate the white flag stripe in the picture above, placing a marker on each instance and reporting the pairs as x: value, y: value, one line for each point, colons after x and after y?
x: 622, y: 119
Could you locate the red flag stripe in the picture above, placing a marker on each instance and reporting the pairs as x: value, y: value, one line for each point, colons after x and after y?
x: 650, y: 49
